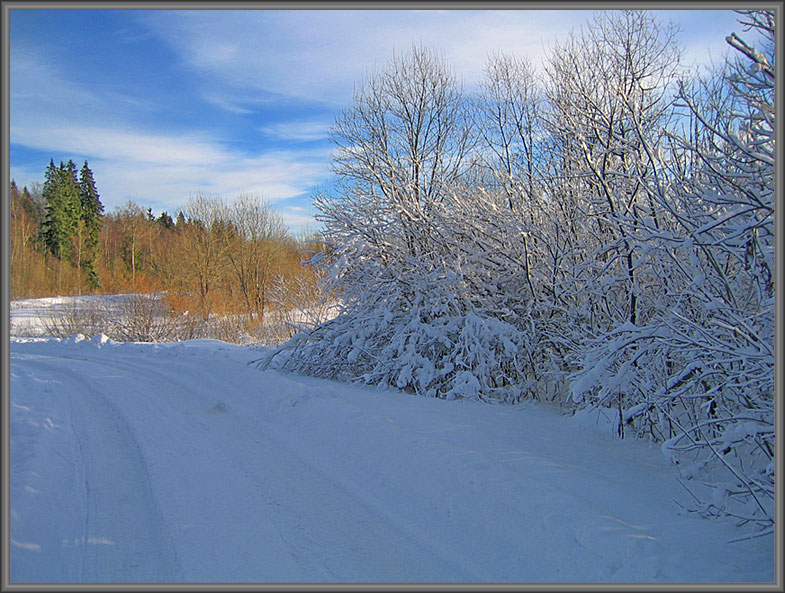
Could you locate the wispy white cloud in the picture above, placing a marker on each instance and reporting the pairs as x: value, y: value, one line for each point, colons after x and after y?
x: 298, y: 131
x: 157, y: 166
x: 298, y: 220
x: 121, y: 145
x: 317, y: 55
x: 275, y: 175
x: 40, y: 91
x: 161, y: 170
x: 226, y: 102
x: 36, y: 83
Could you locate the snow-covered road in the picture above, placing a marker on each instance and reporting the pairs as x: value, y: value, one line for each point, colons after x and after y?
x: 180, y: 462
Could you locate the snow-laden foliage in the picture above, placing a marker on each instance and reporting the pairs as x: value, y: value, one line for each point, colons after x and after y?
x: 602, y: 236
x: 699, y: 375
x: 435, y: 326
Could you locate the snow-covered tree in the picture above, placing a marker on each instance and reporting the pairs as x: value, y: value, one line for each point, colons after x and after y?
x: 698, y: 374
x: 417, y: 311
x: 609, y: 92
x: 399, y: 148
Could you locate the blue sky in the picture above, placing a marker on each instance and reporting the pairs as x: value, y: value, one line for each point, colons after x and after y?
x: 167, y: 103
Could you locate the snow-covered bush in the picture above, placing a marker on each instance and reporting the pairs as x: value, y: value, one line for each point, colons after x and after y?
x: 704, y: 388
x: 698, y: 375
x: 414, y: 332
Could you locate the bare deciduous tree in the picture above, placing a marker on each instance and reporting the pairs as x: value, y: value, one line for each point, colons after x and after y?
x: 254, y: 250
x: 205, y: 243
x: 400, y: 147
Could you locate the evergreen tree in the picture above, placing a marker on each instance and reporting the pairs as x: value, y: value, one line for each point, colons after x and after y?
x: 32, y: 206
x: 90, y: 214
x: 165, y: 221
x: 49, y: 227
x: 62, y: 209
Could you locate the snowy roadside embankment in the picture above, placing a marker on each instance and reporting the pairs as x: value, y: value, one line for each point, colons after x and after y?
x: 181, y: 463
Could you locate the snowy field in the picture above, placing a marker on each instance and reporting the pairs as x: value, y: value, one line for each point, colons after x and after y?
x: 181, y: 462
x: 29, y: 317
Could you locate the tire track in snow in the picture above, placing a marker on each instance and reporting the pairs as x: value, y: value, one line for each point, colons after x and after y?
x: 84, y: 480
x: 367, y: 530
x: 123, y: 533
x: 316, y: 509
x: 368, y: 527
x: 297, y: 531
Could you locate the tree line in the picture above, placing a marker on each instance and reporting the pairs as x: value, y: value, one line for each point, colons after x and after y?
x: 214, y: 258
x: 599, y: 235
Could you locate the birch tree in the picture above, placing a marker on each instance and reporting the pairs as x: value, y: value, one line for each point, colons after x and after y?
x: 254, y: 249
x: 399, y: 148
x: 609, y: 88
x: 205, y: 245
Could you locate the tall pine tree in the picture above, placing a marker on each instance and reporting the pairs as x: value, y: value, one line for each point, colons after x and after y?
x: 62, y: 210
x: 90, y: 216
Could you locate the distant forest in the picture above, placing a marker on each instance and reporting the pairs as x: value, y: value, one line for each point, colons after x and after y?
x: 213, y: 257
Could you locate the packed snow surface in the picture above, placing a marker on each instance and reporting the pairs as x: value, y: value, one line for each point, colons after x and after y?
x: 183, y: 463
